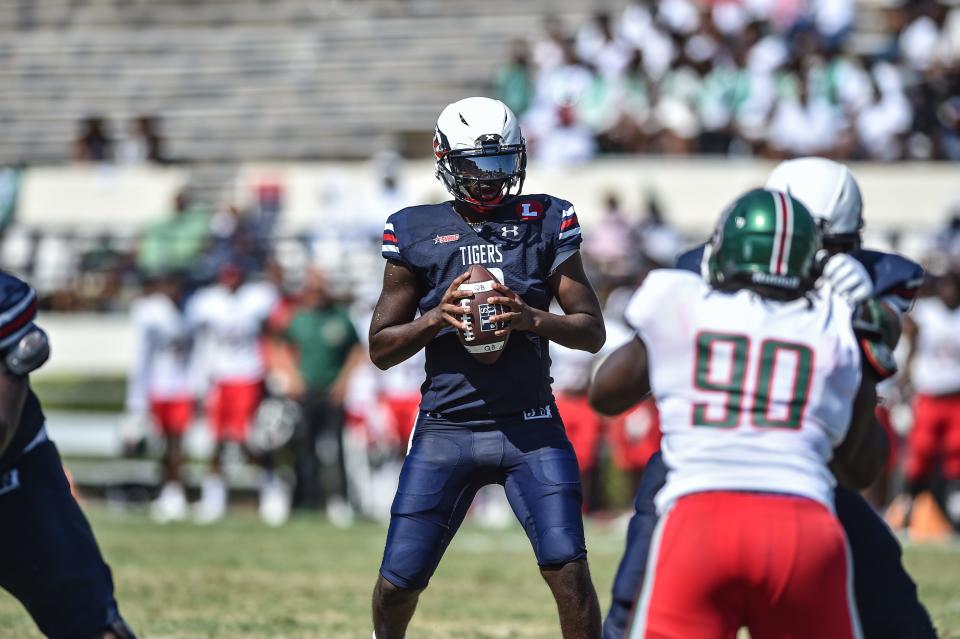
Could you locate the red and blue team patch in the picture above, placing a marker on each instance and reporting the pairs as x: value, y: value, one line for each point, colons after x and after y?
x: 529, y: 210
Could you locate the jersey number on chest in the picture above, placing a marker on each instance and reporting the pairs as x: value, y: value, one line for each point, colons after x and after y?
x: 783, y: 372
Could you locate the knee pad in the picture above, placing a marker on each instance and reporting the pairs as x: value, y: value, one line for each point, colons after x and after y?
x: 559, y: 546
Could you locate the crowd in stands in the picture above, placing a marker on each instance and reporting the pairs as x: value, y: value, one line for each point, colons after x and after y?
x: 771, y: 79
x: 140, y: 144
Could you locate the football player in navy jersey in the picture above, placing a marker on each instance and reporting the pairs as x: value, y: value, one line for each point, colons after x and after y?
x: 49, y: 559
x: 886, y: 596
x: 485, y: 423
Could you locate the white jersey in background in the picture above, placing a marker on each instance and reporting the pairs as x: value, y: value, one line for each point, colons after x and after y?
x: 753, y: 394
x: 162, y: 362
x: 936, y: 361
x: 230, y: 324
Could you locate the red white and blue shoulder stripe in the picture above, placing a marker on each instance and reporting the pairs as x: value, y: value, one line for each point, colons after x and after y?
x: 390, y: 247
x: 18, y: 309
x: 569, y: 233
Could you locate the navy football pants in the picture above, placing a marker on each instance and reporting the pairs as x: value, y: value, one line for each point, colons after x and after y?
x: 447, y: 465
x: 49, y: 559
x: 886, y: 596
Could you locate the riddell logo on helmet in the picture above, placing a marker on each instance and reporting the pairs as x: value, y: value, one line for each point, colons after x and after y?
x: 443, y: 239
x: 530, y: 210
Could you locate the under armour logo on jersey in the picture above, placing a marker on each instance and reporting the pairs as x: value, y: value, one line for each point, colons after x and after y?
x: 510, y: 231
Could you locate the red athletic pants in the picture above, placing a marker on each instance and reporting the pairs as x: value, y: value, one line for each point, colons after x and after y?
x: 775, y: 564
x: 935, y: 433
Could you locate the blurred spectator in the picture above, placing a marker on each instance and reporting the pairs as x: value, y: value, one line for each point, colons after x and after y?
x: 93, y: 143
x: 756, y: 77
x: 513, y: 84
x: 323, y: 352
x: 804, y: 125
x: 611, y: 241
x: 176, y: 243
x: 142, y: 144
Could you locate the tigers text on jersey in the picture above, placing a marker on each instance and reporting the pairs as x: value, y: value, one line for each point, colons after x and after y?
x: 521, y: 242
x: 753, y: 394
x: 18, y: 309
x: 162, y: 367
x: 936, y: 361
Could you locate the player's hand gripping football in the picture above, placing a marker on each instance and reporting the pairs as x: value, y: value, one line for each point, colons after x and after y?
x: 519, y: 317
x: 449, y: 310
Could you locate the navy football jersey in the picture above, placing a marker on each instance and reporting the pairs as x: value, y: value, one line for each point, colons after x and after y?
x: 896, y: 279
x: 521, y: 243
x: 18, y: 308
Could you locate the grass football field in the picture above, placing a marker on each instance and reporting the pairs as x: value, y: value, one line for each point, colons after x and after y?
x: 240, y: 579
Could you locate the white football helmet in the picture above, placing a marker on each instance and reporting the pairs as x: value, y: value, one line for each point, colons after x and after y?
x: 481, y: 154
x: 830, y: 193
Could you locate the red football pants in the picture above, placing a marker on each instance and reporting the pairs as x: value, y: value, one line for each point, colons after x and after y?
x: 172, y: 416
x: 723, y: 560
x: 936, y: 433
x: 232, y: 408
x: 583, y: 427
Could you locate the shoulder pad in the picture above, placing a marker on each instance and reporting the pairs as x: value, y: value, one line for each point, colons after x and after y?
x: 892, y: 274
x: 690, y: 260
x: 18, y: 308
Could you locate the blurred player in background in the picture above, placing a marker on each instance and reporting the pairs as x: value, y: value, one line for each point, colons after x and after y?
x: 886, y: 596
x: 322, y: 352
x: 229, y: 319
x: 49, y: 559
x: 933, y: 372
x: 160, y: 388
x: 481, y: 423
x: 758, y: 378
x: 571, y: 379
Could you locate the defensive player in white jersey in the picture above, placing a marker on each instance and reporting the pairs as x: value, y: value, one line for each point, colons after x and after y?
x: 933, y: 370
x: 760, y: 384
x: 160, y: 385
x: 229, y: 319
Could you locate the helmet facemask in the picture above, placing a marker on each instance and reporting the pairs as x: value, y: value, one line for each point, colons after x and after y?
x: 485, y: 176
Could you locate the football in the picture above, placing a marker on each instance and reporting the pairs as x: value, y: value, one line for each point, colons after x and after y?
x: 478, y: 334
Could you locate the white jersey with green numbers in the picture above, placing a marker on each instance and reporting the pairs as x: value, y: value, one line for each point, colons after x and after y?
x: 753, y: 394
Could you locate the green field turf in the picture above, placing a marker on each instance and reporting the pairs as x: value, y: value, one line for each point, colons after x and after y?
x: 240, y: 579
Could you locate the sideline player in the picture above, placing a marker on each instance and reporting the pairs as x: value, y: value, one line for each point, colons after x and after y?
x: 482, y: 424
x: 886, y: 596
x: 229, y: 319
x: 49, y: 559
x: 160, y: 385
x: 758, y: 378
x: 933, y: 371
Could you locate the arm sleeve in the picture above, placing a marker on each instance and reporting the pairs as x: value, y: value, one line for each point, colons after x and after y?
x: 645, y: 306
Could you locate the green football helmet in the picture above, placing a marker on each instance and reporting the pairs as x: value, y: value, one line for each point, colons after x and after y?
x: 766, y: 241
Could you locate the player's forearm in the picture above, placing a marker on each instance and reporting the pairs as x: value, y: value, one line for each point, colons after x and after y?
x: 393, y: 344
x: 580, y: 331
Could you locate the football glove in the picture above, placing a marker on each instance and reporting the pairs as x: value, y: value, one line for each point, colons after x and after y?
x: 848, y: 278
